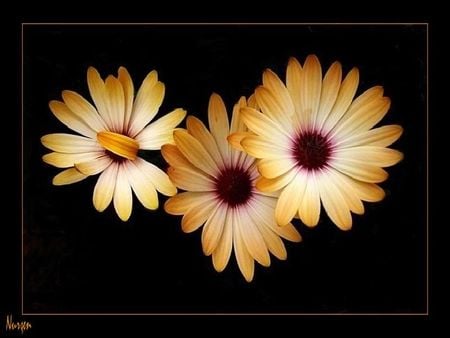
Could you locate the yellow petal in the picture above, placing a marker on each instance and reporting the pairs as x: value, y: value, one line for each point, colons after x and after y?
x: 116, y: 103
x: 279, y: 109
x: 119, y: 144
x: 235, y: 139
x: 376, y: 156
x: 123, y: 198
x: 62, y: 160
x: 380, y: 137
x: 68, y: 118
x: 159, y: 178
x: 148, y: 100
x: 244, y: 259
x: 182, y: 202
x: 293, y: 76
x: 190, y: 180
x: 195, y: 152
x: 360, y: 171
x: 309, y: 211
x: 290, y: 198
x: 84, y: 110
x: 198, y: 130
x: 270, y: 185
x: 261, y: 147
x: 161, y: 131
x: 99, y: 95
x: 218, y: 123
x: 346, y: 94
x: 104, y: 188
x: 67, y: 143
x: 212, y: 231
x: 310, y: 88
x: 334, y: 203
x: 330, y: 90
x: 221, y: 255
x: 94, y: 167
x: 253, y: 239
x: 142, y: 186
x: 68, y: 176
x: 274, y: 168
x: 128, y: 92
x: 197, y: 215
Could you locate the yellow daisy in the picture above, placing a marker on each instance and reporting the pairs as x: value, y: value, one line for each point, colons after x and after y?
x: 112, y: 133
x: 220, y: 193
x: 316, y: 144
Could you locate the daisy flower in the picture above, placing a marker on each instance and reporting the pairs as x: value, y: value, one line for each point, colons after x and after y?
x: 219, y: 184
x: 111, y: 134
x: 316, y: 144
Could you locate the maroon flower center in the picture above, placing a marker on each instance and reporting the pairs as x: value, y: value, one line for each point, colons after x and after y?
x: 234, y: 186
x: 312, y: 150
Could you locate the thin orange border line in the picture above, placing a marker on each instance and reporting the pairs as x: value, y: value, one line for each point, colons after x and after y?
x: 426, y: 24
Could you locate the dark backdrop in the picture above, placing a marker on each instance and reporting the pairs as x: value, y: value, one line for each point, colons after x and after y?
x: 79, y: 260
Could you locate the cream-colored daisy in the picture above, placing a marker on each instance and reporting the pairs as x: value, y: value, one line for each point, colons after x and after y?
x: 316, y: 144
x: 112, y: 133
x: 219, y: 184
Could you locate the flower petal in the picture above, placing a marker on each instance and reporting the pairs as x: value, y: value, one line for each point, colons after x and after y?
x: 380, y: 137
x: 293, y: 77
x: 123, y: 198
x: 290, y: 198
x: 330, y: 90
x: 104, y: 188
x: 191, y: 180
x: 68, y: 143
x: 67, y: 117
x: 142, y: 186
x: 198, y: 130
x: 93, y: 167
x: 275, y: 168
x: 366, y: 111
x: 116, y: 103
x: 63, y: 160
x: 84, y: 110
x: 195, y: 152
x: 347, y: 190
x: 263, y: 126
x: 346, y: 94
x: 275, y: 184
x: 235, y: 140
x: 376, y: 156
x: 252, y: 237
x: 68, y: 176
x: 261, y: 147
x: 221, y: 255
x: 159, y: 178
x: 218, y: 124
x: 148, y: 100
x: 271, y: 239
x: 244, y: 259
x: 360, y: 171
x: 278, y: 108
x: 197, y: 215
x: 309, y: 211
x: 212, y: 231
x: 310, y: 89
x: 99, y: 95
x: 334, y: 202
x: 265, y: 209
x: 128, y: 92
x: 160, y: 132
x: 182, y: 202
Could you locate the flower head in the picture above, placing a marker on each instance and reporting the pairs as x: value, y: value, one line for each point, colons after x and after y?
x: 221, y: 194
x: 316, y: 144
x: 111, y: 134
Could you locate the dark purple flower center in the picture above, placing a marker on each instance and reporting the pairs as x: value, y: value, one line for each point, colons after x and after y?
x: 234, y: 186
x: 312, y: 150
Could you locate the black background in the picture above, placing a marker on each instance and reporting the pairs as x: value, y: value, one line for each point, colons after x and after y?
x: 79, y: 260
